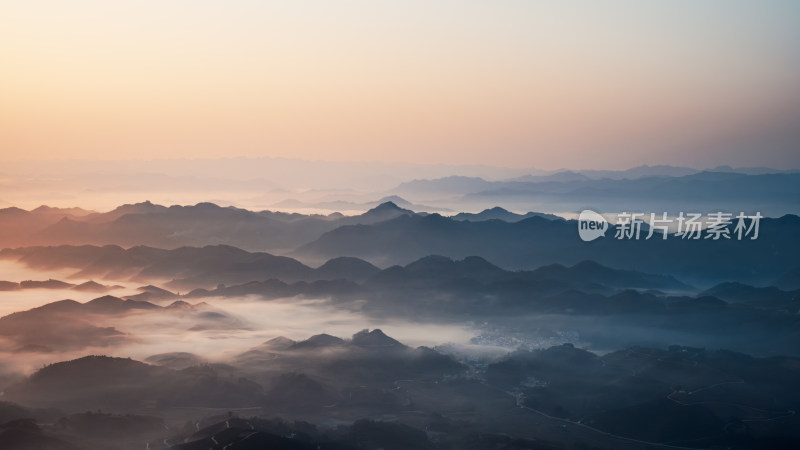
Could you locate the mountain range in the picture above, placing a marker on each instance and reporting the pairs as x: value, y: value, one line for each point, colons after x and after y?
x: 388, y: 235
x: 67, y: 324
x: 544, y: 399
x: 772, y: 193
x: 537, y: 241
x: 201, y: 224
x: 215, y: 265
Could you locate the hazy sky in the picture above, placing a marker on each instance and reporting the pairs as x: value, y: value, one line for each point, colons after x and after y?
x: 579, y: 84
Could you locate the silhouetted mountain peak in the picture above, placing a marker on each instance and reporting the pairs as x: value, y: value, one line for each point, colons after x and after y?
x: 395, y: 200
x: 92, y: 286
x: 498, y: 213
x: 496, y: 209
x: 788, y: 219
x: 93, y: 366
x: 567, y: 355
x: 375, y: 339
x: 60, y: 306
x: 49, y: 284
x: 180, y: 304
x: 435, y: 265
x: 199, y: 207
x: 111, y: 304
x: 207, y: 205
x: 386, y: 211
x: 387, y: 207
x: 279, y: 343
x: 13, y: 211
x: 478, y: 262
x: 319, y: 341
x: 154, y: 290
x: 590, y: 266
x: 106, y: 300
x: 430, y: 262
x: 138, y: 208
x: 9, y: 286
x: 346, y: 267
x: 44, y: 209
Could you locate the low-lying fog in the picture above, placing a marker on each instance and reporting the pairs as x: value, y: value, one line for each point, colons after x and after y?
x: 216, y: 329
x: 20, y: 300
x: 237, y: 324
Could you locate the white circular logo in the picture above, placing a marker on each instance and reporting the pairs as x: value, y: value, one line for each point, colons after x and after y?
x: 591, y: 225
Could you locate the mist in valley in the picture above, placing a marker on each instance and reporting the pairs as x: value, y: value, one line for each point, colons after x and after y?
x: 559, y: 356
x: 399, y: 225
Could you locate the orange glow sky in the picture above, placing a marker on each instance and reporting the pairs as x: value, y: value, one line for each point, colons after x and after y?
x: 580, y: 84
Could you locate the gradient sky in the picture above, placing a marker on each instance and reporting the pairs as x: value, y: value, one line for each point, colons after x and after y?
x: 578, y: 84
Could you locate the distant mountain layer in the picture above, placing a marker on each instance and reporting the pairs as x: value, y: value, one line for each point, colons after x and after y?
x: 398, y: 236
x: 498, y: 213
x: 773, y: 194
x: 739, y: 292
x: 175, y: 226
x: 646, y: 190
x: 344, y: 205
x: 194, y: 267
x: 537, y: 241
x: 201, y: 224
x: 68, y: 325
x: 388, y: 235
x: 217, y: 266
x: 89, y: 286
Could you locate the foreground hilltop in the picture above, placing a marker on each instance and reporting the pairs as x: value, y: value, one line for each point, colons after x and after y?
x: 551, y: 398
